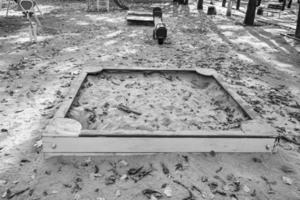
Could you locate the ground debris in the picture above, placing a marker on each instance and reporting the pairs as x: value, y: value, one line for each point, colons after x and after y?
x: 218, y: 170
x: 137, y: 174
x: 8, y: 194
x: 110, y: 180
x: 167, y: 190
x: 286, y: 169
x: 149, y: 193
x: 191, y: 196
x: 287, y: 180
x: 165, y: 170
x: 127, y: 109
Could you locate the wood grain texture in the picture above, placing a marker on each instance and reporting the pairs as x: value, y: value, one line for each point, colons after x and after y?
x: 74, y: 89
x: 140, y: 145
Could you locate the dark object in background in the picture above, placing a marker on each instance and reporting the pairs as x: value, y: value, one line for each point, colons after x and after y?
x: 200, y: 4
x: 160, y: 29
x: 211, y: 10
x: 260, y: 11
x: 183, y: 2
x: 121, y: 4
x: 297, y: 33
x: 258, y: 2
x: 223, y: 3
x: 289, y: 4
x: 238, y: 2
x: 250, y: 14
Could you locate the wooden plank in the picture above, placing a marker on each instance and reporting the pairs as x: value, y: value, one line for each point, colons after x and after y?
x: 149, y: 144
x: 242, y: 104
x: 237, y: 133
x: 74, y: 89
x: 139, y: 18
x: 292, y: 36
x: 141, y: 69
x: 140, y: 13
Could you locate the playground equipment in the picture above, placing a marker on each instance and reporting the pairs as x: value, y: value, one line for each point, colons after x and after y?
x: 160, y: 30
x: 149, y: 18
x: 97, y: 5
x: 27, y: 7
x: 211, y: 10
x: 67, y: 136
x: 28, y: 4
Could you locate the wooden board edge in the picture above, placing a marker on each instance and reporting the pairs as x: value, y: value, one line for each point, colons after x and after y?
x: 243, y: 105
x: 74, y: 89
x: 149, y: 69
x: 93, y: 70
x: 156, y: 145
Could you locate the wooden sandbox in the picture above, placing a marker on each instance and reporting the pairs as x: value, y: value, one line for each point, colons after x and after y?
x: 65, y: 135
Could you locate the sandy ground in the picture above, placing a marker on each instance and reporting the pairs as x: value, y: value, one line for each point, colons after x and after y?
x: 36, y: 77
x: 137, y: 101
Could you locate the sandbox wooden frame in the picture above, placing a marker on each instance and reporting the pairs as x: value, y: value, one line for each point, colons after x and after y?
x: 68, y: 139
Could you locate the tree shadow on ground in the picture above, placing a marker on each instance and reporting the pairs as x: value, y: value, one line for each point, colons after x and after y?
x: 11, y: 24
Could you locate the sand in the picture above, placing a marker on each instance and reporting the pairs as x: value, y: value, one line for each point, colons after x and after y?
x: 169, y: 101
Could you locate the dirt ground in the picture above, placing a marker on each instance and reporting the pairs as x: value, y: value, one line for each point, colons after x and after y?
x: 262, y: 66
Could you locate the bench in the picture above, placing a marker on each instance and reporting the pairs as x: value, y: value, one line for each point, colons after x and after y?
x: 274, y: 8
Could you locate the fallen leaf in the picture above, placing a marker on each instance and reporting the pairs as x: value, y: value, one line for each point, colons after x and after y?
x: 168, y: 191
x: 246, y: 188
x: 287, y: 180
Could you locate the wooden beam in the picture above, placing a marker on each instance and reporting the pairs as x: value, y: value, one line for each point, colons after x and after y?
x: 77, y: 145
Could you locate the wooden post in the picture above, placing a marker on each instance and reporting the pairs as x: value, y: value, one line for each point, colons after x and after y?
x: 228, y: 12
x: 297, y: 34
x: 238, y: 2
x: 223, y: 3
x: 250, y: 14
x: 200, y: 5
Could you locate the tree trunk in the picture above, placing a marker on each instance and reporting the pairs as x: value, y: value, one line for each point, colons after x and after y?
x: 228, y: 12
x: 200, y: 5
x: 297, y: 34
x: 238, y: 2
x: 250, y: 14
x: 289, y: 4
x: 223, y: 3
x: 283, y: 5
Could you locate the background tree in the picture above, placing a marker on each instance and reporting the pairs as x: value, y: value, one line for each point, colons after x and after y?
x: 223, y: 3
x: 228, y: 12
x: 297, y: 34
x: 250, y: 14
x: 238, y: 2
x: 200, y: 5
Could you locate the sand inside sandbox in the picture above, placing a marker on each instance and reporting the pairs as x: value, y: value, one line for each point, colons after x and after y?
x: 165, y: 101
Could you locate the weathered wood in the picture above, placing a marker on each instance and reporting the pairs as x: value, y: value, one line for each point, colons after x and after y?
x: 64, y: 136
x: 250, y: 13
x: 74, y: 89
x: 63, y: 126
x: 132, y: 18
x: 139, y: 13
x: 152, y: 144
